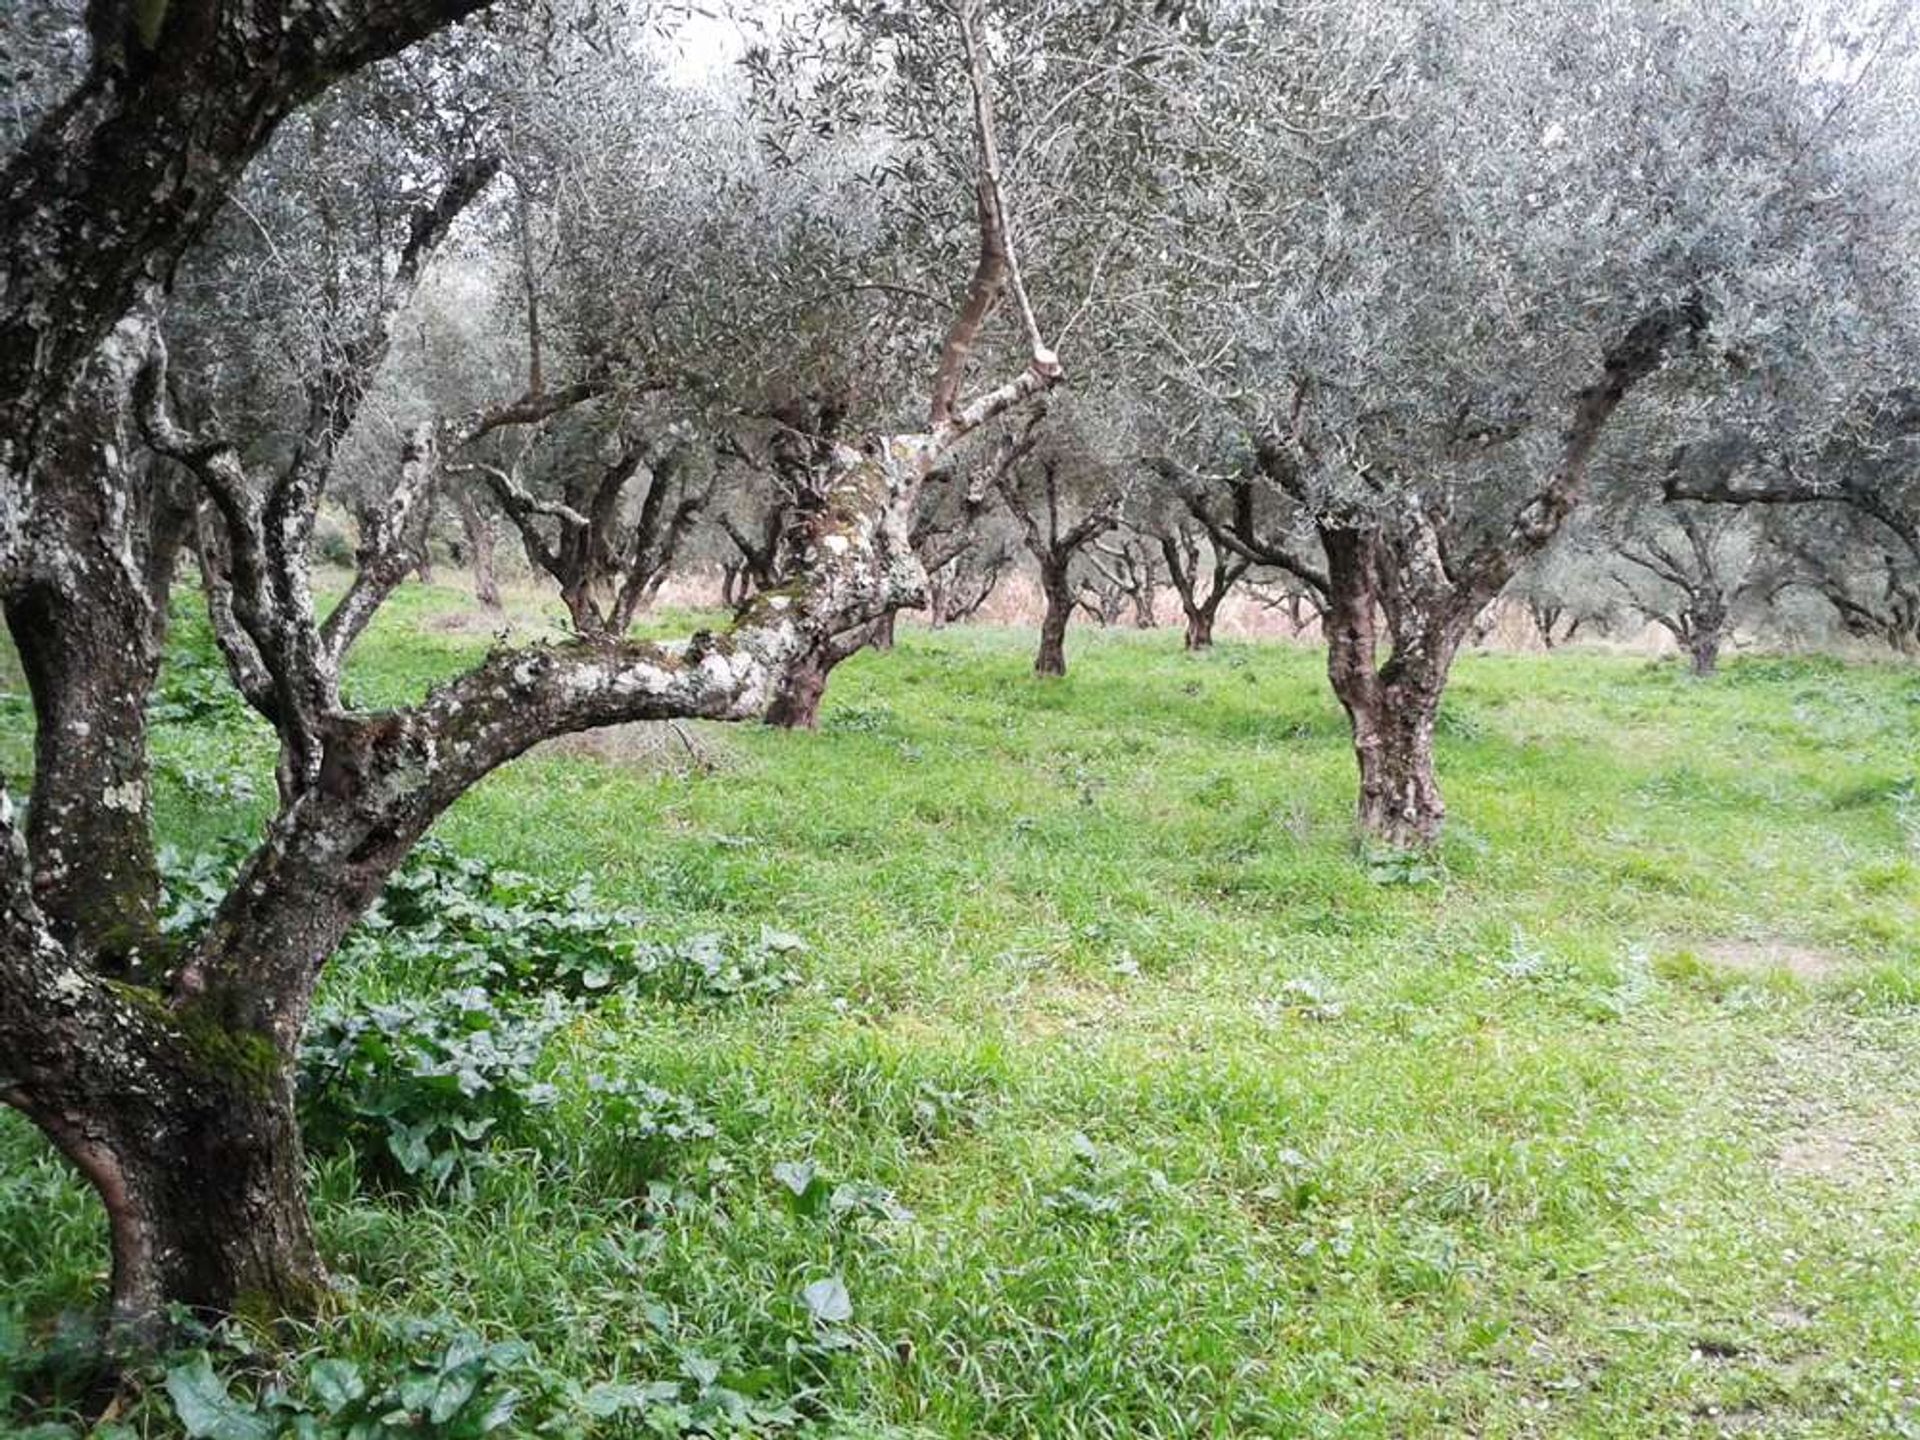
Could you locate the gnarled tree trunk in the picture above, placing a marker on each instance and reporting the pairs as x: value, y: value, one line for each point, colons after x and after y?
x: 1400, y: 801
x: 1052, y: 656
x: 170, y: 1088
x: 1392, y: 708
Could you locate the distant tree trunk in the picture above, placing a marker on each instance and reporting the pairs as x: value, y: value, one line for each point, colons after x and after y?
x: 883, y: 631
x: 529, y: 284
x: 1200, y: 626
x: 480, y: 547
x: 1052, y: 659
x: 1706, y: 627
x: 1703, y: 655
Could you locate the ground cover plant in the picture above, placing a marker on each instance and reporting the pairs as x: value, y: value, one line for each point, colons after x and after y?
x: 1023, y: 1058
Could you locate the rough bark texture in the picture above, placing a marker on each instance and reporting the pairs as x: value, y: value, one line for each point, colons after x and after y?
x: 88, y: 630
x: 1392, y: 709
x: 1052, y: 656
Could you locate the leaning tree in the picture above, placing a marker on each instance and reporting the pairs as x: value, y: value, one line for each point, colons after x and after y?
x: 165, y: 1075
x: 1477, y: 232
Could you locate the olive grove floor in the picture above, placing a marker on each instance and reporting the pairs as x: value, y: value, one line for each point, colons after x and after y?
x: 1607, y: 1124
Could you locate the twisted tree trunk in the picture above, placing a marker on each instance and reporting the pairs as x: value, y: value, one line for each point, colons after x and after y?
x: 1052, y: 657
x: 1392, y: 708
x: 167, y: 1079
x: 1200, y: 620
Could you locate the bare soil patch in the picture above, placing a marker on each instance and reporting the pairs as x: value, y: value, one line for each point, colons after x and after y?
x: 1758, y: 957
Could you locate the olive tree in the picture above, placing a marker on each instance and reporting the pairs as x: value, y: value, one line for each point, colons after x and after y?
x: 165, y: 1075
x: 1471, y: 236
x: 1691, y: 573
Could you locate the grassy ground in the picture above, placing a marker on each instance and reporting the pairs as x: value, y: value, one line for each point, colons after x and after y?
x: 1604, y: 1126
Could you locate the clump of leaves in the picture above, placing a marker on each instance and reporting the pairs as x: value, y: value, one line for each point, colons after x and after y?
x: 193, y: 886
x: 423, y: 1081
x: 477, y: 924
x: 444, y: 1388
x: 194, y: 688
x: 449, y: 919
x: 639, y: 1128
x: 810, y: 1195
x: 708, y: 1399
x: 1107, y: 1188
x: 1389, y: 865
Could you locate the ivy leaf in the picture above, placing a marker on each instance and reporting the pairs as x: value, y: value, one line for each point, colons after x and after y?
x: 205, y: 1408
x: 796, y: 1175
x: 336, y: 1384
x: 828, y: 1301
x: 808, y: 1191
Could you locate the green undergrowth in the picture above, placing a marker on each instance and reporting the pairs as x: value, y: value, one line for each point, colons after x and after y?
x: 1014, y: 1058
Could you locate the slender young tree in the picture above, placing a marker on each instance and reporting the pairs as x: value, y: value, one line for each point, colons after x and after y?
x: 1202, y: 578
x: 1125, y: 576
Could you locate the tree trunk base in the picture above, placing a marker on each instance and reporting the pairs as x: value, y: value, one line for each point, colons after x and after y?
x: 1400, y: 804
x: 797, y: 706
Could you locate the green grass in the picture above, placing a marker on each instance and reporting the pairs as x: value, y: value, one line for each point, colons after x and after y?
x: 1208, y: 1126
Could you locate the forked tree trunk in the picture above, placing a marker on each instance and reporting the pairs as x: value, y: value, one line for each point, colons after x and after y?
x: 1200, y: 626
x: 1052, y: 658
